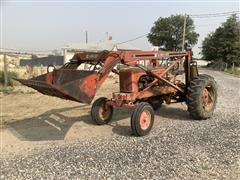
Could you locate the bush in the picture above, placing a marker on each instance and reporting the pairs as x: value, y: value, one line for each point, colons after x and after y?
x: 10, y: 76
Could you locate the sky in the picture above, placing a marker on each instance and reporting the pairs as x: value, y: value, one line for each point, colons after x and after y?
x: 49, y: 25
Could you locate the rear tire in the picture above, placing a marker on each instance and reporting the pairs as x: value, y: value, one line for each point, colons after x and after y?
x: 202, y: 97
x: 142, y: 119
x: 100, y: 112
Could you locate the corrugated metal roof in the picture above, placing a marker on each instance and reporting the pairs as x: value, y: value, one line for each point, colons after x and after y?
x: 100, y: 46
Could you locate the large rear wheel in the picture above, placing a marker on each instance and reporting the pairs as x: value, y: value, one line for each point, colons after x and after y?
x: 142, y: 119
x: 202, y: 97
x: 101, y: 112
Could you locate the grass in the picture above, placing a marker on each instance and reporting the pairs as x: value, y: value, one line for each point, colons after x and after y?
x: 10, y: 76
x: 11, y: 85
x: 11, y: 90
x: 235, y: 72
x: 6, y: 90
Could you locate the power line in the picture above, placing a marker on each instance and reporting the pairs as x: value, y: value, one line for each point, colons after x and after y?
x: 229, y: 12
x: 136, y: 38
x: 25, y: 50
x: 214, y: 14
x: 133, y: 39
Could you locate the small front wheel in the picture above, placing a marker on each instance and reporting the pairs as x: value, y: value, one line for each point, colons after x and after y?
x: 101, y: 112
x: 142, y: 119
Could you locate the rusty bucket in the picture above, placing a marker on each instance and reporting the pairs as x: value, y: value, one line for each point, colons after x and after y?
x: 75, y: 85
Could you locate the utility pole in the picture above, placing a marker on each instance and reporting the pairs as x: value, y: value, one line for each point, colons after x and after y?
x: 5, y: 70
x: 86, y: 37
x: 107, y: 35
x: 86, y: 65
x: 183, y: 40
x: 184, y: 31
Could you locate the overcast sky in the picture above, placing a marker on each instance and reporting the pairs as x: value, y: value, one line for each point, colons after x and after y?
x: 50, y: 25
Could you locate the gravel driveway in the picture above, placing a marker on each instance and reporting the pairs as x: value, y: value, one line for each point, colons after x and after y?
x: 186, y: 149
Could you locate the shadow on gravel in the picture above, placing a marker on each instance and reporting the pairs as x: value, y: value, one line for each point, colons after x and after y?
x: 51, y: 125
x: 55, y: 124
x: 174, y: 113
x: 122, y: 130
x: 118, y: 115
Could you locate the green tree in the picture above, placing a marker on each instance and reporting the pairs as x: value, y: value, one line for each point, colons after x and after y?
x: 168, y: 32
x: 224, y: 43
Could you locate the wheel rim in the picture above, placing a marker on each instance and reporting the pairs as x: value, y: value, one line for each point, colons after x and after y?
x: 208, y: 98
x: 145, y: 119
x: 104, y: 112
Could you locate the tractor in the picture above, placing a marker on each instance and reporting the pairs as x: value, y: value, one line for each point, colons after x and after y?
x: 147, y: 79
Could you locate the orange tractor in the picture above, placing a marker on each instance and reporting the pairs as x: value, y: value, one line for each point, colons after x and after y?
x: 147, y: 79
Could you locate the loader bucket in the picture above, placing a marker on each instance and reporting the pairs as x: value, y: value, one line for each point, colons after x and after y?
x: 75, y: 85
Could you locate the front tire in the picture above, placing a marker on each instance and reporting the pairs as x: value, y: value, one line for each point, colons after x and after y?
x: 202, y: 97
x: 101, y: 113
x: 142, y: 119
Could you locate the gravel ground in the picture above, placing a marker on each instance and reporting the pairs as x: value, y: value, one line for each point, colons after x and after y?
x: 187, y: 149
